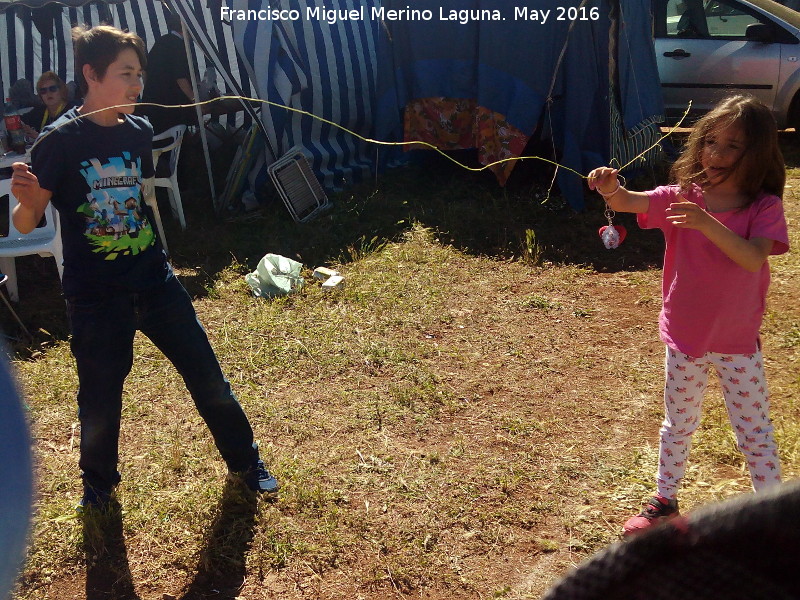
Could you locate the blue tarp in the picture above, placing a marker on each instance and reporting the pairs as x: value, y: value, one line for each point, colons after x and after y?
x: 510, y: 66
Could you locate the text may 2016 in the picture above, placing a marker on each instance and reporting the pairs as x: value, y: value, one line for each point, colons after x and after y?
x: 462, y: 16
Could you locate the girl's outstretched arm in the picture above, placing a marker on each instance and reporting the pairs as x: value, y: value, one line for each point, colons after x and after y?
x: 748, y: 254
x: 604, y: 180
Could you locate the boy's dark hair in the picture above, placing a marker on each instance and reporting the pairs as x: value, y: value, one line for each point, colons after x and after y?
x: 761, y: 166
x: 99, y: 46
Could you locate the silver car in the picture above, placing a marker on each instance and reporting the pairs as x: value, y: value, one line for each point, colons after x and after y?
x: 708, y: 49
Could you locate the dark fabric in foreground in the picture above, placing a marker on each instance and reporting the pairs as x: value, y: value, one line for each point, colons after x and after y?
x: 742, y: 549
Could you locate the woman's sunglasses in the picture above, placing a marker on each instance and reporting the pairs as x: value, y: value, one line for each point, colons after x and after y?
x: 50, y: 88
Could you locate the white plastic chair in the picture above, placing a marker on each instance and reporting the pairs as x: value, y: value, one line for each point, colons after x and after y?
x: 173, y: 137
x: 44, y: 241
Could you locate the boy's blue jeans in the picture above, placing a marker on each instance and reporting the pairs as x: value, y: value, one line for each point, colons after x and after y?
x: 102, y: 343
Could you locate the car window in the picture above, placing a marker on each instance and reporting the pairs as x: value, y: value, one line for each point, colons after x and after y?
x: 725, y: 19
x: 718, y: 9
x: 686, y: 19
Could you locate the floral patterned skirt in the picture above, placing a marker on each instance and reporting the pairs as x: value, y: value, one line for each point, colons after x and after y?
x: 457, y: 124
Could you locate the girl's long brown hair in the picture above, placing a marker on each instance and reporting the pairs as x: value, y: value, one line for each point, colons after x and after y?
x: 761, y: 166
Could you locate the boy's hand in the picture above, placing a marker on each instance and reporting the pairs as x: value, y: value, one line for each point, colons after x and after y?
x: 24, y: 185
x: 33, y: 199
x: 688, y: 215
x: 604, y: 180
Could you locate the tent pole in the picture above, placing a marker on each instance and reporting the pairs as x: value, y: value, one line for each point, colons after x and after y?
x: 199, y: 112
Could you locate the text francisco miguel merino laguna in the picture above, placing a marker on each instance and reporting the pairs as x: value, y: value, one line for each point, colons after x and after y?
x: 334, y: 15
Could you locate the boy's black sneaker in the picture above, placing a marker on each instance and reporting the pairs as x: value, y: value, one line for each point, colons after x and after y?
x: 93, y: 499
x: 258, y: 479
x: 656, y: 510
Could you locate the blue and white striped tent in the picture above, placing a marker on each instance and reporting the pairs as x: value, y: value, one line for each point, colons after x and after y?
x: 26, y: 52
x: 326, y: 69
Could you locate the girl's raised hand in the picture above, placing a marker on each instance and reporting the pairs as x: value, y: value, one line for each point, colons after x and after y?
x: 688, y: 215
x: 603, y: 179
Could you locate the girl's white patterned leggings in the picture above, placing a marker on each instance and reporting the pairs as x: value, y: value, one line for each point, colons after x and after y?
x: 747, y: 400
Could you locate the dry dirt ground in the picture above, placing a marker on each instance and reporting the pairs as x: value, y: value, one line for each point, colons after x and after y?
x: 549, y: 366
x: 552, y: 376
x: 557, y: 374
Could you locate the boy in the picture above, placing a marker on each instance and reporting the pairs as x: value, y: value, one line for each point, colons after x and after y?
x: 116, y: 276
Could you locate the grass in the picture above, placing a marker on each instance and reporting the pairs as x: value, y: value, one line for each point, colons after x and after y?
x: 472, y: 414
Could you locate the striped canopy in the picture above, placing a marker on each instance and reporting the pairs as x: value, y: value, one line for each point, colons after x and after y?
x: 354, y: 74
x: 26, y: 51
x: 326, y: 69
x: 6, y: 4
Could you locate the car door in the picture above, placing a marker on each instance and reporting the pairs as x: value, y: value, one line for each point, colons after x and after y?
x: 704, y: 55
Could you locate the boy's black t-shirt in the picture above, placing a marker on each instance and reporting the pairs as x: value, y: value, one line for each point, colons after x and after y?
x: 95, y: 174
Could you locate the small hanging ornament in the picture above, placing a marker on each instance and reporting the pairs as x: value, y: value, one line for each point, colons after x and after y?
x: 612, y: 235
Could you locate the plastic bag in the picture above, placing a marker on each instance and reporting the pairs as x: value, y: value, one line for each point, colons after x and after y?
x: 275, y: 275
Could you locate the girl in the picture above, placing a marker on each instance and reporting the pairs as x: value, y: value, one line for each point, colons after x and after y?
x: 53, y: 92
x: 721, y: 220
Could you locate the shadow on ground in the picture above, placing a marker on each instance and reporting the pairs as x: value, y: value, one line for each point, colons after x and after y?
x: 467, y: 210
x: 108, y: 573
x: 221, y: 567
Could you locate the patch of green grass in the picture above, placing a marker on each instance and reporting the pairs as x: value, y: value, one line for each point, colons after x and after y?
x: 537, y: 302
x: 532, y: 251
x: 791, y: 337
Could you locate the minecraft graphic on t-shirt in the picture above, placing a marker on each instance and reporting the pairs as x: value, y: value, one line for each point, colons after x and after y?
x: 115, y: 222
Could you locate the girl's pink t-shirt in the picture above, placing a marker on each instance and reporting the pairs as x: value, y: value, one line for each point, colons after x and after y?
x: 711, y: 304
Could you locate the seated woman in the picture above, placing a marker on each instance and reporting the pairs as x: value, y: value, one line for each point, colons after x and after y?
x: 53, y: 93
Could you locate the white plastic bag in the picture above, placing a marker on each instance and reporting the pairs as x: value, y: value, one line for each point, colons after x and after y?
x: 275, y: 275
